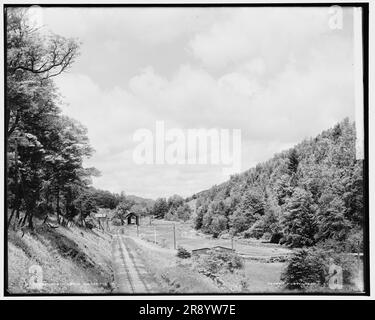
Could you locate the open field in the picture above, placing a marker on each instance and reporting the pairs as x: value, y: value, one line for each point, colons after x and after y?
x: 162, y: 232
x: 256, y: 275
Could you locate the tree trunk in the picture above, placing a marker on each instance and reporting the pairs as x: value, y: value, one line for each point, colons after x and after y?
x: 45, y: 219
x: 30, y: 221
x: 23, y: 220
x: 11, y: 217
x: 15, y: 209
x: 17, y: 218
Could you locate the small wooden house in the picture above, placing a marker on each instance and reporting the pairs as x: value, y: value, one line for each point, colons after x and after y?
x: 132, y: 218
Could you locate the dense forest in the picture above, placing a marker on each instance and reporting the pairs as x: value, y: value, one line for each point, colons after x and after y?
x: 310, y: 194
x: 46, y: 149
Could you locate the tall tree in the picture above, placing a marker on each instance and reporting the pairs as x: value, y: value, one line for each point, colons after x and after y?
x: 45, y: 149
x: 33, y: 58
x: 299, y: 220
x: 160, y: 208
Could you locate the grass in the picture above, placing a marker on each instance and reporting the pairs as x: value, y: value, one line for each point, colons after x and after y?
x: 263, y: 277
x: 190, y: 239
x: 181, y: 275
x: 173, y: 274
x: 72, y: 260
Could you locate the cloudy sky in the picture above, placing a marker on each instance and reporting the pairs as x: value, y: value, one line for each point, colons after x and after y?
x: 278, y: 74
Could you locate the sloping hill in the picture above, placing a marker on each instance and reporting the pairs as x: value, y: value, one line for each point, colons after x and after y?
x: 308, y: 194
x: 141, y: 201
x: 64, y: 260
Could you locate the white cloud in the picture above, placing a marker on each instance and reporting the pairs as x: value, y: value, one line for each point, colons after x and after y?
x: 271, y: 33
x: 277, y: 75
x: 146, y: 25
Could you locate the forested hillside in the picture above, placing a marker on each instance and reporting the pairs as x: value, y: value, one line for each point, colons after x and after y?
x: 310, y: 194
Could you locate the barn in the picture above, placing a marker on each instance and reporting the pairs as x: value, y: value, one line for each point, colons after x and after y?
x: 132, y: 218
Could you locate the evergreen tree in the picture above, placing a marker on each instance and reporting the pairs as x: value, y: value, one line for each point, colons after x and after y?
x: 299, y: 220
x: 293, y: 161
x: 331, y: 219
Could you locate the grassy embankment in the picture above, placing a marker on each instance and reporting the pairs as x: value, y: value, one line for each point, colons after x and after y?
x: 71, y: 260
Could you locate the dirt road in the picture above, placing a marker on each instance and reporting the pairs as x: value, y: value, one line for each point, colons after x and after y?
x: 130, y: 273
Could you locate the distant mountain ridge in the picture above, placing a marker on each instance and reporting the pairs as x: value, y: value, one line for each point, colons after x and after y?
x: 140, y: 200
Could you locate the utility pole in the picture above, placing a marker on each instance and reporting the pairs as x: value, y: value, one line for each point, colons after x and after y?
x: 137, y: 230
x: 232, y: 244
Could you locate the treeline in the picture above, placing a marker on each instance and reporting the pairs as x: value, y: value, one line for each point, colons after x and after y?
x: 174, y: 208
x: 310, y: 194
x: 45, y: 149
x: 130, y: 203
x: 109, y: 200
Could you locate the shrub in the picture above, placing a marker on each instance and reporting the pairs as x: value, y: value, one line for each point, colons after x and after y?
x: 276, y: 237
x: 354, y: 243
x: 116, y: 222
x: 246, y: 234
x: 267, y: 236
x: 216, y: 261
x: 90, y: 223
x: 183, y: 253
x: 349, y: 265
x: 307, y: 267
x: 331, y: 245
x: 170, y: 216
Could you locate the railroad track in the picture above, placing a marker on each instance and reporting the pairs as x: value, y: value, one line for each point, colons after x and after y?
x: 131, y: 276
x: 124, y: 265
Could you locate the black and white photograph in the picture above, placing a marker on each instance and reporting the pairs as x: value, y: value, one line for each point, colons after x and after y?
x: 186, y: 149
